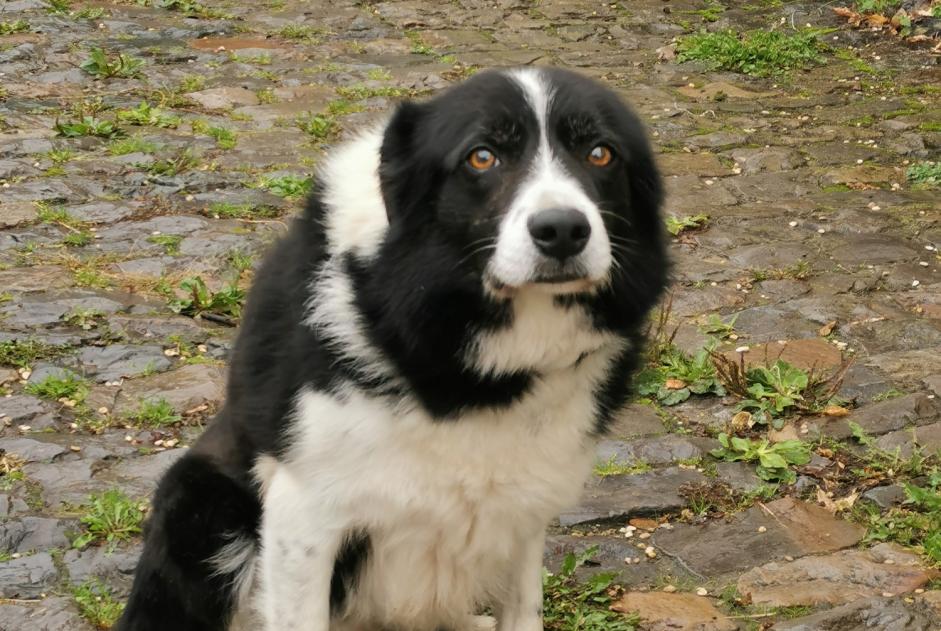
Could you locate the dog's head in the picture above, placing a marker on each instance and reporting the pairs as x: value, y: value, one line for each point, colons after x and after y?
x: 541, y: 178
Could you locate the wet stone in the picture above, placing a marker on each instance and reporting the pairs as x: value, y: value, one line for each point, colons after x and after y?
x: 27, y: 534
x: 21, y: 409
x: 185, y: 388
x: 622, y: 496
x: 115, y: 566
x: 611, y: 557
x: 27, y: 577
x: 926, y: 437
x: 885, y: 614
x: 117, y: 361
x: 837, y: 578
x: 665, y: 612
x: 30, y: 450
x: 883, y: 417
x: 886, y: 496
x: 55, y: 613
x: 656, y: 450
x: 785, y: 527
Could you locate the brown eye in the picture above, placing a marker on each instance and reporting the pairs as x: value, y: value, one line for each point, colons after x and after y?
x: 482, y: 159
x: 601, y: 156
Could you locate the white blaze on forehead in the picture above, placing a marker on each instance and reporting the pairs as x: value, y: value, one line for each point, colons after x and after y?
x: 548, y: 185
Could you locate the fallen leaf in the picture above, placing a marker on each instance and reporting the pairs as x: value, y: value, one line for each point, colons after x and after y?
x: 675, y: 384
x: 827, y: 328
x: 835, y: 410
x: 740, y: 422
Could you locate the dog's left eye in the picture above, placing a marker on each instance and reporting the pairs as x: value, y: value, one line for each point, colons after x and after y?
x: 601, y: 156
x: 482, y: 159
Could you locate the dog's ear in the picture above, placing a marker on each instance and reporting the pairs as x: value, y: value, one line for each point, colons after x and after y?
x: 406, y: 171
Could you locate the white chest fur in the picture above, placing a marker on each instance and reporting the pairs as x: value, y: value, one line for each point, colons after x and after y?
x: 446, y: 505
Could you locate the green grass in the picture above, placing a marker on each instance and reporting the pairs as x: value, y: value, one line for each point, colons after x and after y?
x: 146, y: 114
x: 78, y: 238
x: 179, y: 162
x: 17, y: 26
x: 362, y: 92
x: 612, y: 466
x: 134, y: 144
x: 318, y: 126
x: 761, y: 53
x: 570, y: 605
x: 191, y: 8
x: 301, y: 32
x: 225, y: 138
x: 103, y: 66
x: 169, y: 242
x: 55, y: 388
x: 925, y: 174
x: 109, y: 517
x: 25, y: 353
x: 290, y: 186
x: 800, y: 270
x: 154, y: 413
x: 227, y: 210
x: 96, y: 603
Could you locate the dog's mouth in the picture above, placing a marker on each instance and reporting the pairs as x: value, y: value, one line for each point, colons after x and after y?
x: 557, y: 284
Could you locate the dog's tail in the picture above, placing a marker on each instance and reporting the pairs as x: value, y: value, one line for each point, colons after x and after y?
x: 199, y: 548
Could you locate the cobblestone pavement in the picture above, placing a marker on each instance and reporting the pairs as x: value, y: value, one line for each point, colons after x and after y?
x: 819, y: 234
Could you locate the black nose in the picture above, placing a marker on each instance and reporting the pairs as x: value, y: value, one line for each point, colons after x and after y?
x: 559, y: 232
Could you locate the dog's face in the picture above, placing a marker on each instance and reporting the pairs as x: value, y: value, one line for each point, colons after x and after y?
x: 539, y: 178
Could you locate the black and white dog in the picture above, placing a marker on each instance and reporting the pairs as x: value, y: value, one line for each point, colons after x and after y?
x: 426, y: 361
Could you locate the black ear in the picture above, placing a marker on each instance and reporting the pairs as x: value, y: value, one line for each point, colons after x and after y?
x: 406, y: 168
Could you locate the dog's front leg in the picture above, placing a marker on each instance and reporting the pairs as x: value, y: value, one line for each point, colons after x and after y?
x: 299, y: 548
x: 522, y: 610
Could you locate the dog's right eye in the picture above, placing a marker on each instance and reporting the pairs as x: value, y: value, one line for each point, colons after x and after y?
x: 482, y: 159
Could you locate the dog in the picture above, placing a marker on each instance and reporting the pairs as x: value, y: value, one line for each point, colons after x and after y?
x: 425, y: 364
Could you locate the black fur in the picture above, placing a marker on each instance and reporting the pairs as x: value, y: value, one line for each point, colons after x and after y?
x: 421, y: 297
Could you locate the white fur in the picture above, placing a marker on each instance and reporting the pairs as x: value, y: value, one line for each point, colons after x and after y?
x: 452, y: 509
x: 548, y: 186
x: 351, y: 177
x: 544, y: 337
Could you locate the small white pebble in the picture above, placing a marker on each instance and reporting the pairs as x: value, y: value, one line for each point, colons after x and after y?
x: 702, y: 591
x: 788, y: 558
x: 916, y: 283
x: 742, y: 349
x: 650, y: 552
x: 821, y: 230
x: 923, y: 263
x: 889, y: 562
x: 920, y: 590
x: 762, y: 529
x: 644, y: 535
x: 887, y: 594
x: 669, y: 589
x: 793, y: 224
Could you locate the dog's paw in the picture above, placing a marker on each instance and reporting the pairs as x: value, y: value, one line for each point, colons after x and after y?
x: 482, y: 623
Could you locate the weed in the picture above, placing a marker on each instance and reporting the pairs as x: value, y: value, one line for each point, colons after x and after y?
x: 716, y: 326
x: 319, y: 126
x: 169, y: 242
x: 59, y: 7
x: 96, y: 603
x: 134, y: 144
x: 801, y: 270
x: 145, y: 114
x: 8, y: 28
x: 676, y: 225
x: 572, y: 606
x: 419, y: 47
x: 290, y: 186
x: 100, y: 65
x: 60, y: 156
x: 930, y: 126
x: 710, y: 13
x: 891, y: 393
x: 916, y: 523
x: 87, y: 126
x: 225, y: 138
x: 89, y: 13
x: 240, y: 261
x: 266, y: 96
x: 87, y: 275
x: 773, y: 460
x: 191, y: 8
x: 24, y: 353
x: 771, y: 391
x: 761, y: 53
x: 183, y: 160
x: 612, y: 466
x: 57, y: 388
x: 925, y: 174
x: 228, y: 210
x: 878, y: 6
x: 199, y: 300
x: 85, y: 319
x: 78, y: 238
x: 154, y: 413
x: 301, y: 32
x: 109, y: 517
x: 379, y: 74
x: 362, y: 92
x: 192, y: 83
x: 676, y: 376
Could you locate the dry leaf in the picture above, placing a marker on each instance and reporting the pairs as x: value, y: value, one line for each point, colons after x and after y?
x: 836, y: 506
x: 741, y: 421
x: 827, y: 328
x: 835, y: 410
x: 675, y: 384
